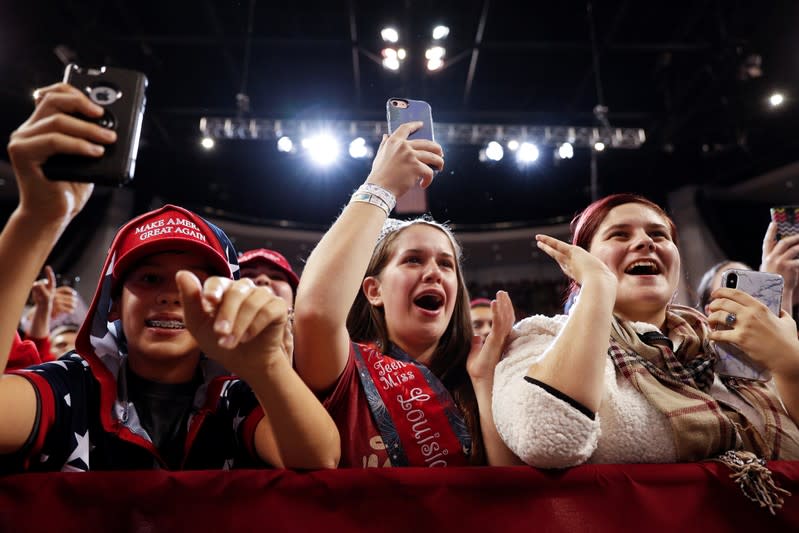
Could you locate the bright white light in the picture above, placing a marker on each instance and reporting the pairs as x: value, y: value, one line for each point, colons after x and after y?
x: 494, y: 151
x: 434, y: 64
x: 528, y: 152
x: 776, y: 99
x: 285, y: 144
x: 599, y: 146
x: 359, y: 149
x: 323, y: 149
x: 513, y: 145
x: 391, y: 63
x: 207, y: 143
x: 439, y: 32
x: 391, y: 59
x: 565, y: 151
x: 435, y: 52
x: 401, y: 54
x: 389, y: 35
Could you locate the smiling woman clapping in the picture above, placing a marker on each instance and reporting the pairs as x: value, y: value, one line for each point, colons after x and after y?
x: 628, y: 377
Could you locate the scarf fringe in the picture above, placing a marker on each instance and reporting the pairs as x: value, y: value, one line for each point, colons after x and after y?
x: 754, y: 478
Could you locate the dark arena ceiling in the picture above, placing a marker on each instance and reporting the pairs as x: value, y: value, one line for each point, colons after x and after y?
x: 694, y: 75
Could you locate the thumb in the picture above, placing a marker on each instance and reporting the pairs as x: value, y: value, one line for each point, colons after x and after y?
x: 770, y: 239
x: 190, y: 290
x: 50, y: 275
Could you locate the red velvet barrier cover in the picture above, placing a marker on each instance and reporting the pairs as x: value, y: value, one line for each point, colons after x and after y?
x: 681, y: 497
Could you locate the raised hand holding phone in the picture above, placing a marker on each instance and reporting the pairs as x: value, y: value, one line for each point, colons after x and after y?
x: 781, y: 251
x: 400, y: 162
x: 742, y: 324
x: 402, y: 111
x: 119, y: 94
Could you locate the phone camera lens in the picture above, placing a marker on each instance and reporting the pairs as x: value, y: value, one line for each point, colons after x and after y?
x: 104, y: 95
x: 732, y: 281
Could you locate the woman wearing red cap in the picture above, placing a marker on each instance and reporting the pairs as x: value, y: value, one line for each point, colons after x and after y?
x: 383, y: 329
x: 149, y: 385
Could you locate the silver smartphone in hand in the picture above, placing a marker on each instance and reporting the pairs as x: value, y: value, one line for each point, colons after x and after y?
x: 766, y: 287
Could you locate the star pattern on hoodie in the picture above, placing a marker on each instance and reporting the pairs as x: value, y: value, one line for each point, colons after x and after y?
x: 78, y: 460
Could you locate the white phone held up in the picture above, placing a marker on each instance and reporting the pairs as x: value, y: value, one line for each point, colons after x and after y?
x: 766, y: 287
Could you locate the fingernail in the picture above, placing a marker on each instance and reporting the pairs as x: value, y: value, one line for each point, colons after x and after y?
x: 97, y: 109
x: 228, y: 341
x: 223, y: 327
x: 111, y: 135
x: 97, y: 149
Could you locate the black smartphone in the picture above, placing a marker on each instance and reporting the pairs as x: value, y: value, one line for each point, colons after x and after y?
x: 121, y: 93
x: 766, y: 287
x: 402, y: 110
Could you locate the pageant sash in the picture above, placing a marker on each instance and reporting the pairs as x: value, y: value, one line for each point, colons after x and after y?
x: 417, y: 418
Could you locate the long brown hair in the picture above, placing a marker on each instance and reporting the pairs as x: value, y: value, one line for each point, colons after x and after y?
x: 367, y: 323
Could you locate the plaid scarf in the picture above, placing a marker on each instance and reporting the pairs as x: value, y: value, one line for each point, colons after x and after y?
x: 677, y: 383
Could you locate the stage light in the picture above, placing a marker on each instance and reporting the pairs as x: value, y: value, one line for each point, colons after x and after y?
x: 565, y: 151
x: 435, y: 52
x: 599, y: 146
x: 323, y: 149
x: 435, y: 57
x: 401, y: 54
x: 440, y: 32
x: 776, y: 99
x: 207, y: 143
x: 391, y: 59
x: 513, y: 145
x: 494, y: 151
x: 285, y: 144
x: 390, y: 35
x: 434, y: 64
x: 527, y: 153
x: 359, y: 149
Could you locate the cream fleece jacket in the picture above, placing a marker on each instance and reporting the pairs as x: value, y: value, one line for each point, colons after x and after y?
x: 547, y: 432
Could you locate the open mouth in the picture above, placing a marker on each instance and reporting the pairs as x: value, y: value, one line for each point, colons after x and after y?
x: 643, y: 268
x: 429, y: 302
x: 166, y: 324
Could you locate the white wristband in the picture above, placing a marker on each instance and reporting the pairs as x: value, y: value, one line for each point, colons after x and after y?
x: 384, y: 194
x: 369, y: 198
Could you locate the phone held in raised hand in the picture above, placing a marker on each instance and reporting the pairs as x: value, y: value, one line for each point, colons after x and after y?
x: 398, y: 112
x: 787, y: 220
x: 402, y: 110
x: 766, y: 287
x: 121, y: 94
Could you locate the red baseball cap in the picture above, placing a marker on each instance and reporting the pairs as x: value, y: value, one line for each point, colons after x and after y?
x: 480, y: 302
x: 270, y: 257
x: 170, y: 228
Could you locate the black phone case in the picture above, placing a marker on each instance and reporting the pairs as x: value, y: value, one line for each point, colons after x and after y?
x: 122, y: 93
x: 416, y: 110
